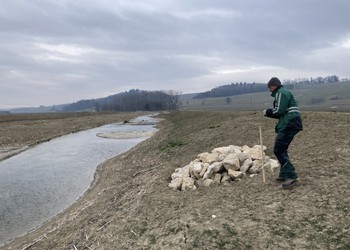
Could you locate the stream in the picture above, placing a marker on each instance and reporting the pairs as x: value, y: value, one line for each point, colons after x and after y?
x: 42, y: 181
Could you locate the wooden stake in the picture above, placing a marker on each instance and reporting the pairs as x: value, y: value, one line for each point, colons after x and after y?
x: 262, y: 154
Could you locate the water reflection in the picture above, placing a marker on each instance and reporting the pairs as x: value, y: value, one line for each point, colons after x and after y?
x: 42, y: 181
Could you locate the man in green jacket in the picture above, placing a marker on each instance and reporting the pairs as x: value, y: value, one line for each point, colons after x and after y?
x: 286, y: 110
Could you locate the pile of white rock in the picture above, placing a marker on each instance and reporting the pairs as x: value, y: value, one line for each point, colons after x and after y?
x: 222, y: 166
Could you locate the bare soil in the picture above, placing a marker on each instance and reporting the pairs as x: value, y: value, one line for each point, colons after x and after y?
x: 130, y: 205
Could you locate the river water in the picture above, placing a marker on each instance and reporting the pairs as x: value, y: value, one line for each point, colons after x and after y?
x: 42, y: 181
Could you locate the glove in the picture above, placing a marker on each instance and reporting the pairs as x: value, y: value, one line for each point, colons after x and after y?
x: 264, y: 112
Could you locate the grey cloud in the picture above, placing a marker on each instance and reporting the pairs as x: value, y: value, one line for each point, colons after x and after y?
x: 108, y: 46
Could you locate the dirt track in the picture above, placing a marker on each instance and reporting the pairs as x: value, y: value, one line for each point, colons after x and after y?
x: 131, y: 207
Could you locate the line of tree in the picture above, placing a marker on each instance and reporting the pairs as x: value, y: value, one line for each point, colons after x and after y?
x: 314, y: 80
x: 132, y: 100
x: 247, y: 88
x: 233, y: 89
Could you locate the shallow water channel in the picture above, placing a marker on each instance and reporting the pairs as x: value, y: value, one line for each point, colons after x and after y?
x: 42, y: 181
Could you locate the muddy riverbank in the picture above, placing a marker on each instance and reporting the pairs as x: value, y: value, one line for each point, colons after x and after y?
x: 21, y: 131
x: 47, y: 178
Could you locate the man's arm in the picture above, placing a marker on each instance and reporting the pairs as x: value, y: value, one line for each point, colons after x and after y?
x: 281, y: 105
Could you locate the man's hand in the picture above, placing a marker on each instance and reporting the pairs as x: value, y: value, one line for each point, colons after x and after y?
x: 264, y: 112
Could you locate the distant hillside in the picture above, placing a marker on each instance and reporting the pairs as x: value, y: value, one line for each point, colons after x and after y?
x: 310, y: 96
x: 323, y: 97
x: 248, y: 88
x: 40, y: 109
x: 231, y: 90
x: 132, y: 100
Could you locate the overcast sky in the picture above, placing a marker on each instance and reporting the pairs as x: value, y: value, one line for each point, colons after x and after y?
x: 62, y: 51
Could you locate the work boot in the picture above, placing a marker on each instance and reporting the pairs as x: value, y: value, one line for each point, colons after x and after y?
x: 280, y: 179
x: 291, y: 183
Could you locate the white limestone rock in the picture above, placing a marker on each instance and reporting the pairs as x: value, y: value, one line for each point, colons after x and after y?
x: 204, y: 169
x: 235, y: 149
x: 195, y: 169
x: 209, y: 173
x: 202, y: 156
x: 194, y: 175
x: 188, y: 183
x: 208, y: 157
x: 207, y: 182
x: 255, y: 168
x: 181, y: 172
x: 212, y: 169
x: 274, y: 164
x: 235, y: 174
x: 222, y: 157
x: 231, y: 162
x: 246, y: 165
x: 176, y: 184
x: 259, y: 147
x: 217, y: 166
x: 227, y: 150
x: 226, y: 178
x: 254, y: 153
x: 222, y: 150
x: 242, y: 157
x: 217, y: 178
x: 198, y: 183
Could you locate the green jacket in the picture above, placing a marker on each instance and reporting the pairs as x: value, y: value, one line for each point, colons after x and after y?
x: 286, y: 110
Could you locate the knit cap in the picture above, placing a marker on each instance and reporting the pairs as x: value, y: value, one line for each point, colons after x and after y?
x: 274, y: 81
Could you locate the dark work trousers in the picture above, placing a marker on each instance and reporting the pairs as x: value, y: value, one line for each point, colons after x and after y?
x: 282, y: 142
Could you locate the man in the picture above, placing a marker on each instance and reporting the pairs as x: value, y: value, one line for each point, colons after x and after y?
x: 286, y: 110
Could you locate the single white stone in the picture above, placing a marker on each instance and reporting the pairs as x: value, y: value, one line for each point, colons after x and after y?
x: 176, y: 183
x: 217, y: 166
x: 207, y: 182
x: 199, y: 183
x: 181, y: 172
x: 204, y: 169
x: 254, y: 153
x: 267, y: 167
x: 209, y: 173
x: 188, y: 183
x: 235, y: 149
x: 226, y: 178
x: 197, y: 167
x: 222, y: 157
x: 231, y: 162
x: 243, y: 157
x: 246, y: 165
x: 222, y: 150
x: 235, y: 174
x: 210, y: 158
x: 217, y: 178
x: 259, y: 147
x: 194, y: 175
x: 274, y: 164
x: 255, y: 168
x: 202, y: 156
